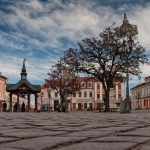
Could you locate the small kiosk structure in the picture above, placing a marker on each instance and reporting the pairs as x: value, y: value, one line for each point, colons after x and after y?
x: 23, y: 88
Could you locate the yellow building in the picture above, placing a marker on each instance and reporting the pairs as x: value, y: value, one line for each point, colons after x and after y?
x: 140, y: 95
x: 3, y: 81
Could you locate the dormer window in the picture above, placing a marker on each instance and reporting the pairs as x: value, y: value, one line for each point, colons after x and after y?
x: 89, y: 84
x: 82, y: 84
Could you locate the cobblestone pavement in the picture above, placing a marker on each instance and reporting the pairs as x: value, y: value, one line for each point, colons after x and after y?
x: 75, y: 131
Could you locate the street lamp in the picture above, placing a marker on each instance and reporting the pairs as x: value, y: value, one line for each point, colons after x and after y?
x: 127, y: 48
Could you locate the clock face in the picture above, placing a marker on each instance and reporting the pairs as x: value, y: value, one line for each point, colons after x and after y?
x: 23, y: 76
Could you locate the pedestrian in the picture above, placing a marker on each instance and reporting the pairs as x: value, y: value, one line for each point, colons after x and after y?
x: 58, y: 107
x: 15, y: 107
x: 18, y: 107
x: 4, y: 106
x: 23, y: 107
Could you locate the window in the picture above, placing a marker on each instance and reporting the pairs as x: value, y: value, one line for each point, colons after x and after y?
x: 79, y: 94
x: 98, y: 86
x: 91, y: 95
x: 119, y: 96
x: 85, y: 105
x: 144, y: 92
x: 89, y: 84
x: 85, y: 94
x: 74, y: 94
x: 74, y: 105
x: 82, y: 84
x: 98, y: 95
x: 144, y: 102
x: 56, y: 94
x: 91, y: 106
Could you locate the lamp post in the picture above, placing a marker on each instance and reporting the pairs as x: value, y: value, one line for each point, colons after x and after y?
x: 126, y: 30
x: 127, y: 48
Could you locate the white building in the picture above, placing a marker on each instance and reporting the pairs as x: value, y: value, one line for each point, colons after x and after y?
x: 91, y: 95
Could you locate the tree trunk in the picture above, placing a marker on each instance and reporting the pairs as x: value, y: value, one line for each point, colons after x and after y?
x: 63, y: 103
x: 106, y: 101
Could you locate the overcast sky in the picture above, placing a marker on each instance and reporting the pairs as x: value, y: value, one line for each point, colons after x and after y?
x: 40, y: 31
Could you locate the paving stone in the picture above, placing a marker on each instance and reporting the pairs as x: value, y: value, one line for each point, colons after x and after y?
x: 4, y: 139
x: 74, y: 130
x: 115, y: 128
x: 139, y: 132
x: 7, y: 148
x: 24, y: 134
x: 145, y: 148
x: 89, y: 133
x: 41, y: 143
x: 134, y: 139
x: 99, y: 146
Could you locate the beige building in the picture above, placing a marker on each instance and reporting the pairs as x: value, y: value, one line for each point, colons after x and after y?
x: 3, y: 81
x: 91, y: 95
x: 140, y: 95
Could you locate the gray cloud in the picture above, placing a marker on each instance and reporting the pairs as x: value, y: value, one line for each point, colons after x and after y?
x: 42, y: 30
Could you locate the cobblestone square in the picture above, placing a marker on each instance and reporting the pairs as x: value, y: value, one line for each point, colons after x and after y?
x: 75, y: 131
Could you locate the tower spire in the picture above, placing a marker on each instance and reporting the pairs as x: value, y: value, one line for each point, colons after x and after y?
x: 23, y: 73
x: 24, y: 67
x: 125, y: 18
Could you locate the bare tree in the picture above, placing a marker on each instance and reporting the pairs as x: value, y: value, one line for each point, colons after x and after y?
x: 64, y: 80
x: 105, y: 57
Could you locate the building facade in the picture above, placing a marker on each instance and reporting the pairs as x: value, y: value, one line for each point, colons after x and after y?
x: 3, y: 81
x: 90, y: 96
x: 140, y: 95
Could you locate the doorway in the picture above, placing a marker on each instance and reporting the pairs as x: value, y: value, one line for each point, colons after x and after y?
x: 79, y: 106
x: 56, y: 102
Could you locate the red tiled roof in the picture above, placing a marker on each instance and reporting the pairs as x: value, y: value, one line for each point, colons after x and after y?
x: 80, y: 79
x: 3, y: 77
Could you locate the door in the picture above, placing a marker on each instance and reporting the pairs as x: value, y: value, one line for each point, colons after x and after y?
x: 56, y: 102
x: 79, y: 106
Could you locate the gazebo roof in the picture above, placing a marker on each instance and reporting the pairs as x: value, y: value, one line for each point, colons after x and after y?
x: 23, y: 85
x: 15, y: 87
